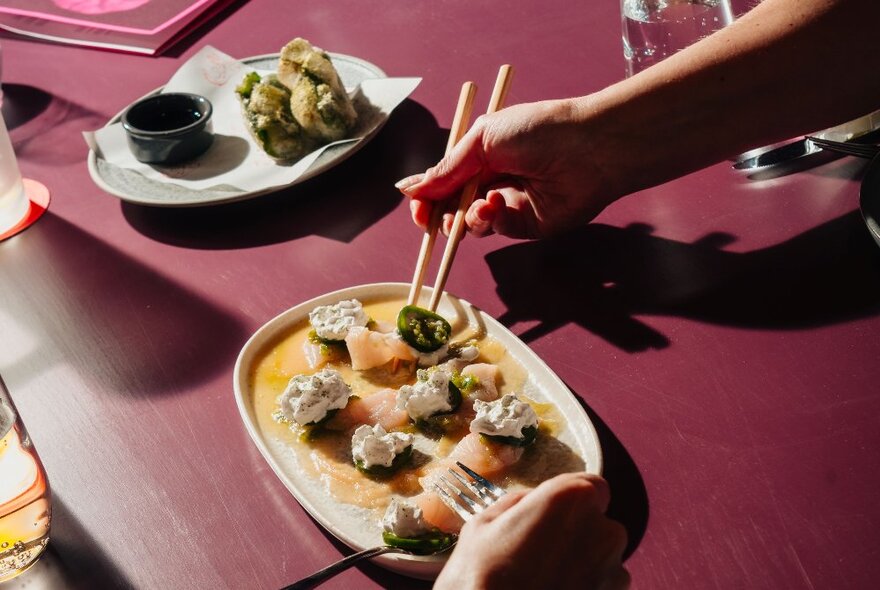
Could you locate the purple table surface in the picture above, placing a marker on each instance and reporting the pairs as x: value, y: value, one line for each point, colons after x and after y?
x: 721, y: 329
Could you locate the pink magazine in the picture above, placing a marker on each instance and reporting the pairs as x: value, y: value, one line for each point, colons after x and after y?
x: 139, y: 26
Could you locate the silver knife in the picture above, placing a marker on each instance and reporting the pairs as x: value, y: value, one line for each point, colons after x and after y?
x: 785, y: 153
x: 862, y: 130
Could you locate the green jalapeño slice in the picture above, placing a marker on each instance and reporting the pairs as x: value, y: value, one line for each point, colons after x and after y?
x: 381, y: 471
x: 424, y: 330
x: 427, y: 544
x: 528, y: 436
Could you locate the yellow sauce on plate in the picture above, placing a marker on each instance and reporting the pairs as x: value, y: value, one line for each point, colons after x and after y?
x: 327, y: 457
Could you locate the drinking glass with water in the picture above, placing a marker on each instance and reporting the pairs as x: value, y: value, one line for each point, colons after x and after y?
x: 25, y: 504
x: 655, y: 29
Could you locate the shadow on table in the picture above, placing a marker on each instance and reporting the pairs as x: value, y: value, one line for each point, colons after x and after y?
x: 629, y: 497
x: 338, y: 204
x: 600, y: 277
x: 33, y: 114
x: 22, y: 103
x: 124, y: 327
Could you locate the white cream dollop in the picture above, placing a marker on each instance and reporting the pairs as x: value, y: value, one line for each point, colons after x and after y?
x: 427, y: 396
x: 404, y: 519
x: 308, y: 398
x: 332, y: 322
x: 374, y: 447
x: 507, y: 416
x: 429, y: 359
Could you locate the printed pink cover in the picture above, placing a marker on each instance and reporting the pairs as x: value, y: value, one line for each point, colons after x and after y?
x: 141, y: 26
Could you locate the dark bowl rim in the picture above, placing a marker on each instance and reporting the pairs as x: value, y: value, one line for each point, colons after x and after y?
x: 194, y: 126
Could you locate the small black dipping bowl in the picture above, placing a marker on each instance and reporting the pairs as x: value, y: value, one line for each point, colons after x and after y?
x: 169, y: 128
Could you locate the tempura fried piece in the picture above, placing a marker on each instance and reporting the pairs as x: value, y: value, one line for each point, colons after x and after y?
x: 319, y: 101
x: 266, y: 104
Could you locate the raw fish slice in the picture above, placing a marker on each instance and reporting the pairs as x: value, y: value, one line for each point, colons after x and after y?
x: 382, y: 408
x: 370, y: 349
x: 377, y: 408
x: 487, y: 375
x: 438, y: 514
x: 313, y: 355
x: 343, y: 481
x: 384, y: 327
x: 434, y: 510
x: 489, y: 459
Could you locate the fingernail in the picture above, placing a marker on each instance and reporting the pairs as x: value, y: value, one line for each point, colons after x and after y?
x: 407, y: 183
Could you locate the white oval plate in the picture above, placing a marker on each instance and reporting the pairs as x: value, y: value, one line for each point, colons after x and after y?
x: 346, y: 522
x: 133, y: 187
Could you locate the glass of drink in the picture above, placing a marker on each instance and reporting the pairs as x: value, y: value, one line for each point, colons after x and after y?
x: 25, y: 501
x: 655, y: 29
x: 14, y: 203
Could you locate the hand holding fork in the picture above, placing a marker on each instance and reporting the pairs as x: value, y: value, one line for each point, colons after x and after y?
x: 466, y: 498
x: 555, y: 536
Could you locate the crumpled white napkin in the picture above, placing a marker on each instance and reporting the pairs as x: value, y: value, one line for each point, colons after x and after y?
x: 235, y: 159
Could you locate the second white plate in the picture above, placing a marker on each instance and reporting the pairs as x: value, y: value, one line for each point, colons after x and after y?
x: 133, y: 187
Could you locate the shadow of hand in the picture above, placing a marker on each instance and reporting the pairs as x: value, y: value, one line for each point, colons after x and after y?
x: 600, y: 277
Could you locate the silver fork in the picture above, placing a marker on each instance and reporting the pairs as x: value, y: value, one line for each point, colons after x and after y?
x: 849, y: 148
x: 470, y: 497
x: 484, y: 494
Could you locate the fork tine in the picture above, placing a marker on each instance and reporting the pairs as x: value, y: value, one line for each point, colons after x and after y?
x: 863, y: 151
x: 483, y: 493
x: 850, y: 149
x: 846, y: 150
x: 474, y: 489
x: 456, y: 500
x: 487, y: 485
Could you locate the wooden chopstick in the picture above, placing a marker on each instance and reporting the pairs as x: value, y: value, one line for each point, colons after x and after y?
x: 460, y: 123
x: 499, y: 94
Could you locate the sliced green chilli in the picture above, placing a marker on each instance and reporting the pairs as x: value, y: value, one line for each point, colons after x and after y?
x: 528, y: 437
x: 465, y: 383
x: 313, y: 430
x: 427, y: 544
x: 381, y: 470
x: 455, y: 397
x: 247, y: 84
x: 327, y: 346
x: 422, y: 329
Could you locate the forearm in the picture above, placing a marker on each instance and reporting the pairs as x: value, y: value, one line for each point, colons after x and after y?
x: 788, y: 67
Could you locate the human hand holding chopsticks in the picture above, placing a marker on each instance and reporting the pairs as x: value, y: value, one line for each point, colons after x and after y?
x: 549, y: 166
x: 434, y: 216
x: 534, y: 178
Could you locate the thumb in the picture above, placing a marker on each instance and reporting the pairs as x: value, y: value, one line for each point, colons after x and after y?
x: 451, y: 173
